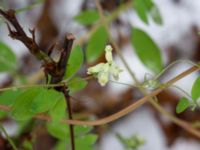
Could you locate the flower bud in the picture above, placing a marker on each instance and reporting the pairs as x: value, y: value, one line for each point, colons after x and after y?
x: 108, y: 54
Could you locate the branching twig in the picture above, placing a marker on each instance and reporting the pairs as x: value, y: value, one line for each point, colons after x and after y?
x: 56, y: 70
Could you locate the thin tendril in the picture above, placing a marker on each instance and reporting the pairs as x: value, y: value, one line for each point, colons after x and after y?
x: 183, y: 91
x: 195, y: 102
x: 123, y: 83
x: 172, y: 64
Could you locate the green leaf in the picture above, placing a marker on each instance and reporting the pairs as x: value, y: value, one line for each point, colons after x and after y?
x: 21, y: 106
x: 147, y: 51
x: 59, y: 110
x: 87, y: 17
x: 8, y: 60
x: 96, y: 44
x: 145, y: 8
x: 86, y: 142
x: 59, y: 131
x: 27, y: 145
x: 84, y: 139
x: 155, y: 14
x: 45, y: 100
x: 183, y: 104
x: 82, y: 130
x: 61, y: 145
x: 132, y: 142
x: 75, y: 61
x: 196, y: 89
x: 141, y: 11
x: 76, y: 84
x: 7, y: 98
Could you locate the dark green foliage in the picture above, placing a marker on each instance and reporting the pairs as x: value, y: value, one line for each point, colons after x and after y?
x: 147, y: 50
x: 8, y: 60
x: 146, y: 8
x: 96, y: 44
x: 75, y: 61
x: 87, y: 17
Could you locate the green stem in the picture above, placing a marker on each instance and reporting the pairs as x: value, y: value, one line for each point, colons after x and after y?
x: 8, y: 138
x: 44, y: 85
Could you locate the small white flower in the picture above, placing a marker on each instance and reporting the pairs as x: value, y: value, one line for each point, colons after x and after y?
x: 101, y: 71
x: 103, y: 74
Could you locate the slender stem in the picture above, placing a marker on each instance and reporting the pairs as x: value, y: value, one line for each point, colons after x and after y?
x: 8, y: 138
x: 69, y: 109
x: 104, y: 23
x: 109, y: 19
x: 44, y: 85
x: 177, y: 121
x: 30, y: 86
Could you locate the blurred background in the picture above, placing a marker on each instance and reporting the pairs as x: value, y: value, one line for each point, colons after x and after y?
x: 177, y: 39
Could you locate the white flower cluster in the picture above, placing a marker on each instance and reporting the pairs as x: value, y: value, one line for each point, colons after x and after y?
x: 102, y: 71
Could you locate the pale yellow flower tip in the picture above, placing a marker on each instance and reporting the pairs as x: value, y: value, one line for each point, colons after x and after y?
x: 108, y: 54
x: 108, y: 48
